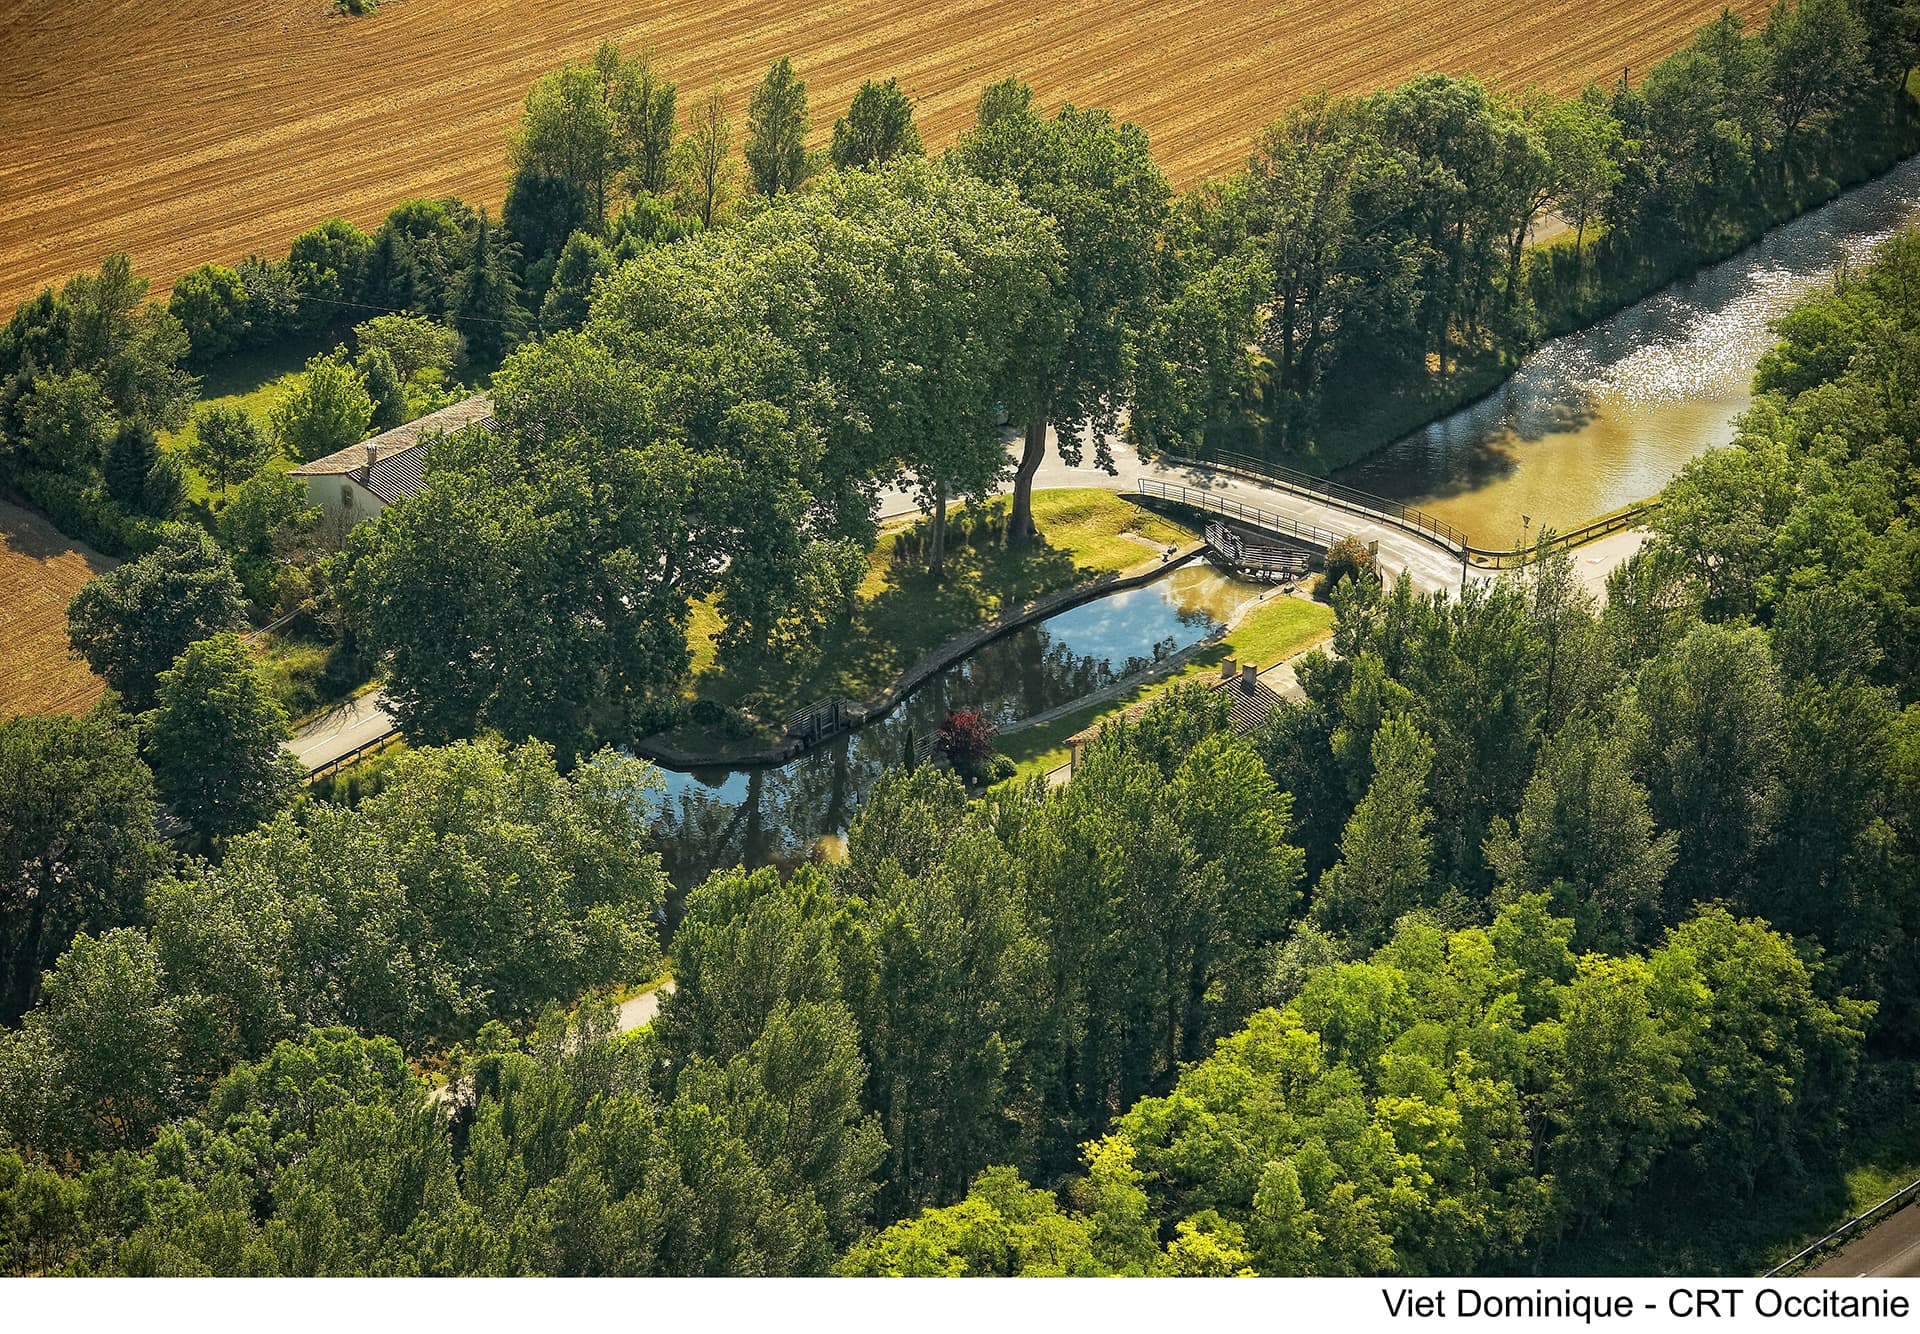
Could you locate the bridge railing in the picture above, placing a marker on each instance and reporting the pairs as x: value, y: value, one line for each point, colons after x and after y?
x: 1354, y: 501
x: 1405, y: 517
x: 1228, y: 507
x: 1630, y: 517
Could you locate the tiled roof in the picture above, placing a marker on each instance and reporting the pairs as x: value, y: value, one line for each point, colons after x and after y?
x: 397, y: 475
x: 400, y: 443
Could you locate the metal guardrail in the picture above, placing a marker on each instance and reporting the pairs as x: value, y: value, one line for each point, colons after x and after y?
x: 1518, y: 556
x: 1853, y: 1227
x: 822, y: 719
x: 358, y: 753
x: 1243, y: 513
x: 1257, y: 558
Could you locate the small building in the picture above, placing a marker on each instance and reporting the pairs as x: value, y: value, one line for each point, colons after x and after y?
x: 1249, y: 701
x: 356, y: 483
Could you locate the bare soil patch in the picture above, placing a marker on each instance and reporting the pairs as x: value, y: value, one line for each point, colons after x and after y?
x: 40, y: 571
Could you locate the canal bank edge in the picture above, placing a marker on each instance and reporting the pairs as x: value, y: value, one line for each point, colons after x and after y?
x: 852, y: 715
x: 1476, y: 382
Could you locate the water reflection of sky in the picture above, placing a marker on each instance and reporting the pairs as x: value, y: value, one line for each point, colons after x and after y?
x: 712, y: 818
x: 1606, y: 416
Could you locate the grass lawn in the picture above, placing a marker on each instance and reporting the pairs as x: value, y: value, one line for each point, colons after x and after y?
x: 900, y: 614
x: 254, y: 381
x: 1272, y: 632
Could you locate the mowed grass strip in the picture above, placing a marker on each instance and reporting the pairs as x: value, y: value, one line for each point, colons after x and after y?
x: 40, y: 571
x: 1272, y: 632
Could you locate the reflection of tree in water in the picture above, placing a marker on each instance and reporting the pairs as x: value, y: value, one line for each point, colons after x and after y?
x: 778, y: 815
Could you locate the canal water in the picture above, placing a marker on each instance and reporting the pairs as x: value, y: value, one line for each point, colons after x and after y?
x: 1590, y: 422
x: 1605, y: 417
x: 715, y: 818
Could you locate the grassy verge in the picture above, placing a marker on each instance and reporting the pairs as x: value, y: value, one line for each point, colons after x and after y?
x: 900, y: 614
x: 308, y: 678
x: 1272, y: 632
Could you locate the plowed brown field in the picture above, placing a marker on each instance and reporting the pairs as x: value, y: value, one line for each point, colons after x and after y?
x: 40, y: 571
x: 184, y: 132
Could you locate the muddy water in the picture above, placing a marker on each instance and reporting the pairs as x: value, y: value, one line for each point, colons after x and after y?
x: 714, y: 818
x: 1604, y: 417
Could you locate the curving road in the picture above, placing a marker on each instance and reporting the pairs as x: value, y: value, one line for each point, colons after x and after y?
x: 1430, y: 567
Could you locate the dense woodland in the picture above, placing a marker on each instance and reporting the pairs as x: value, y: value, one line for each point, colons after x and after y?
x: 1538, y: 925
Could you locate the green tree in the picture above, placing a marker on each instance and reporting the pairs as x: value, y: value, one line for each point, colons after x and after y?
x: 583, y: 263
x: 1383, y: 868
x: 416, y: 345
x: 138, y: 475
x: 949, y: 964
x: 384, y: 390
x: 777, y: 128
x: 1004, y: 1228
x: 214, y: 740
x: 1615, y: 1094
x: 228, y: 446
x: 327, y: 410
x: 65, y: 424
x: 486, y: 310
x: 39, y: 1216
x: 793, y: 1096
x: 540, y: 212
x: 132, y: 346
x: 98, y: 1065
x: 479, y: 883
x: 210, y: 303
x: 132, y: 622
x: 1816, y: 52
x: 1705, y: 722
x: 77, y: 841
x: 703, y: 159
x: 325, y: 265
x: 569, y: 132
x: 1097, y: 180
x: 644, y: 108
x: 267, y: 515
x: 1769, y: 1057
x: 1585, y: 837
x: 877, y: 128
x: 1584, y: 142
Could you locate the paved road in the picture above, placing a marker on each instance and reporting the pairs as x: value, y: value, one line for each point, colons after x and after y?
x: 360, y: 720
x: 1400, y: 551
x: 639, y: 1011
x: 1891, y: 1250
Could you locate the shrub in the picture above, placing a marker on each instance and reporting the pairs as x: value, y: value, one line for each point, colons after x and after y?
x: 88, y: 515
x: 1348, y: 558
x: 966, y: 741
